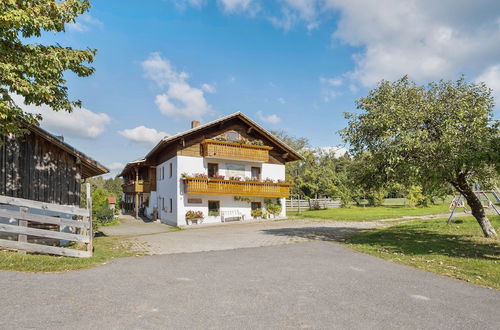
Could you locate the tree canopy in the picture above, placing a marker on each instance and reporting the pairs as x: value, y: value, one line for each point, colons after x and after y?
x: 35, y: 71
x: 434, y: 135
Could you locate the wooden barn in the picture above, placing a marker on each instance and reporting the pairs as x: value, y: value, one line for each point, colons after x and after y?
x: 42, y: 167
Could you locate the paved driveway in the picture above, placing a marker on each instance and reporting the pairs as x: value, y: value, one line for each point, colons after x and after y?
x: 320, y: 285
x: 161, y: 239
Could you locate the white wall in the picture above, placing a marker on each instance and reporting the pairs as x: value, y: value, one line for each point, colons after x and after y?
x: 166, y: 188
x: 172, y: 187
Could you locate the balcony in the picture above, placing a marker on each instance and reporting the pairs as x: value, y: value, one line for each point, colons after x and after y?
x: 232, y: 150
x: 236, y: 188
x: 139, y: 186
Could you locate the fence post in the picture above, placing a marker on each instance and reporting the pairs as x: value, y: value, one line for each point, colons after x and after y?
x: 22, y: 223
x: 90, y: 246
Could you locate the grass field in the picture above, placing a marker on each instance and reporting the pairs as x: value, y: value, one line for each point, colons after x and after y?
x: 105, y: 249
x: 355, y: 213
x: 458, y: 250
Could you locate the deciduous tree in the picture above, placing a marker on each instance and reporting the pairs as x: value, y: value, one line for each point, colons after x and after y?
x: 36, y: 71
x: 443, y: 133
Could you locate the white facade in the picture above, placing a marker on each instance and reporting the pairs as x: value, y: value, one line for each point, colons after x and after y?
x: 173, y: 203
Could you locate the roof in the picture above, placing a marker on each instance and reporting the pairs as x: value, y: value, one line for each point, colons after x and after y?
x: 166, y: 141
x: 129, y: 165
x: 90, y: 167
x: 111, y: 199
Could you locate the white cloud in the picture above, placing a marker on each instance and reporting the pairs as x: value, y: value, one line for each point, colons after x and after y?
x: 281, y: 100
x: 239, y: 6
x: 182, y: 4
x: 81, y: 122
x: 180, y: 100
x: 84, y: 23
x: 338, y: 151
x: 114, y: 169
x: 427, y: 40
x: 491, y: 77
x: 208, y: 88
x: 143, y: 135
x: 270, y: 119
x: 329, y: 87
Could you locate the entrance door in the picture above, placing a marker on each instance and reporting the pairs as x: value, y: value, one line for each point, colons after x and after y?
x: 214, y: 208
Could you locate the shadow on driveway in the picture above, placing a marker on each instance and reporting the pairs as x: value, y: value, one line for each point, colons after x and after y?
x: 329, y: 234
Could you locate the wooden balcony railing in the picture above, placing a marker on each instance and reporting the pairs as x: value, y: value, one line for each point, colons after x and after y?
x: 236, y: 188
x: 232, y: 150
x: 139, y: 186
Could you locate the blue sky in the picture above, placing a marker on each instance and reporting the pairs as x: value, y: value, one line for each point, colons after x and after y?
x: 295, y: 65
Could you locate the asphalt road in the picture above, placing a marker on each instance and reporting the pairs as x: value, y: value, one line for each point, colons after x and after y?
x: 316, y: 285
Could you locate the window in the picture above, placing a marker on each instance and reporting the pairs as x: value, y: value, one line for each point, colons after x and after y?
x: 256, y: 173
x: 213, y: 169
x: 235, y: 170
x: 163, y: 172
x: 256, y: 205
x: 232, y: 136
x: 171, y: 205
x: 170, y: 169
x: 162, y: 203
x: 213, y: 207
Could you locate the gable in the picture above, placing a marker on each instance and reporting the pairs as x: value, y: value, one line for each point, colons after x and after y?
x: 189, y: 143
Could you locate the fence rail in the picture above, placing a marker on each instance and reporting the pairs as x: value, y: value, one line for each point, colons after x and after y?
x: 306, y: 204
x: 19, y: 213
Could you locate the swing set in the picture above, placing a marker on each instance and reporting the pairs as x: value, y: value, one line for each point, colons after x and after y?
x: 460, y: 202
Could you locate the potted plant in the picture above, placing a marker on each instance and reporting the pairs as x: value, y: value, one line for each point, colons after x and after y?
x: 257, y: 213
x: 194, y: 216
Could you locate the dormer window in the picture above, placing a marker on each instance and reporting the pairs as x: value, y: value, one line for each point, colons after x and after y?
x: 232, y: 136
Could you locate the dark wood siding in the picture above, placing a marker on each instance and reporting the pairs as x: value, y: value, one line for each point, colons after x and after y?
x: 33, y: 168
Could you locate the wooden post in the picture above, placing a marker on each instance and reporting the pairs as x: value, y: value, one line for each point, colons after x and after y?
x: 22, y: 223
x: 90, y: 246
x: 136, y: 193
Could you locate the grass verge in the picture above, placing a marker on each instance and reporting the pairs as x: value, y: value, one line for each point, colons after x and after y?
x: 371, y: 213
x: 105, y: 249
x: 457, y: 250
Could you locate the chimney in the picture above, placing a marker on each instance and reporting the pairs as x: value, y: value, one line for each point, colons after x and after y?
x: 195, y: 123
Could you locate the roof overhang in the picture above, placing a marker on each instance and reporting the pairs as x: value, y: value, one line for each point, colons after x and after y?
x: 292, y: 155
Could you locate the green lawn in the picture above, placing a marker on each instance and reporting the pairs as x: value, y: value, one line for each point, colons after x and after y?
x: 105, y: 249
x: 458, y: 250
x: 355, y: 213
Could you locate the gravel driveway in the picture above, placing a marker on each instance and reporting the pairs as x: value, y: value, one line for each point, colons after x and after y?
x: 161, y: 239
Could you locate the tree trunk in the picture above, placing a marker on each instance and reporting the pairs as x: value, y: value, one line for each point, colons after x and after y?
x: 475, y: 205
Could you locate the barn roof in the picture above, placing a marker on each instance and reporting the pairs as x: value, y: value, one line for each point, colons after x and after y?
x: 90, y: 167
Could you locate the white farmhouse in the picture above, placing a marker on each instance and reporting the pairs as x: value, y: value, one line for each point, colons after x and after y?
x: 228, y: 169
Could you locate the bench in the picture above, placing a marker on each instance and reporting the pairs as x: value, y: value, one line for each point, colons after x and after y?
x: 232, y: 216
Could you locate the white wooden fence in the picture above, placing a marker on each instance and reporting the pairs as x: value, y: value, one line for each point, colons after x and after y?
x: 306, y: 204
x: 17, y: 213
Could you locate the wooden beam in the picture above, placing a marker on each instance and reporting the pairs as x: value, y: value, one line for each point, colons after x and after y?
x: 44, y: 219
x: 24, y: 230
x: 249, y: 130
x: 45, y: 249
x: 43, y: 206
x: 285, y: 155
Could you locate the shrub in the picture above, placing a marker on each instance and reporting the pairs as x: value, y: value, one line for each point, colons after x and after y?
x: 257, y: 213
x: 102, y: 215
x: 213, y: 213
x: 415, y: 196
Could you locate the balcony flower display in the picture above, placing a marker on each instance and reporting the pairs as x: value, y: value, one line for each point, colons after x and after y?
x: 235, y: 178
x: 268, y: 180
x: 218, y: 176
x: 200, y: 175
x: 253, y: 179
